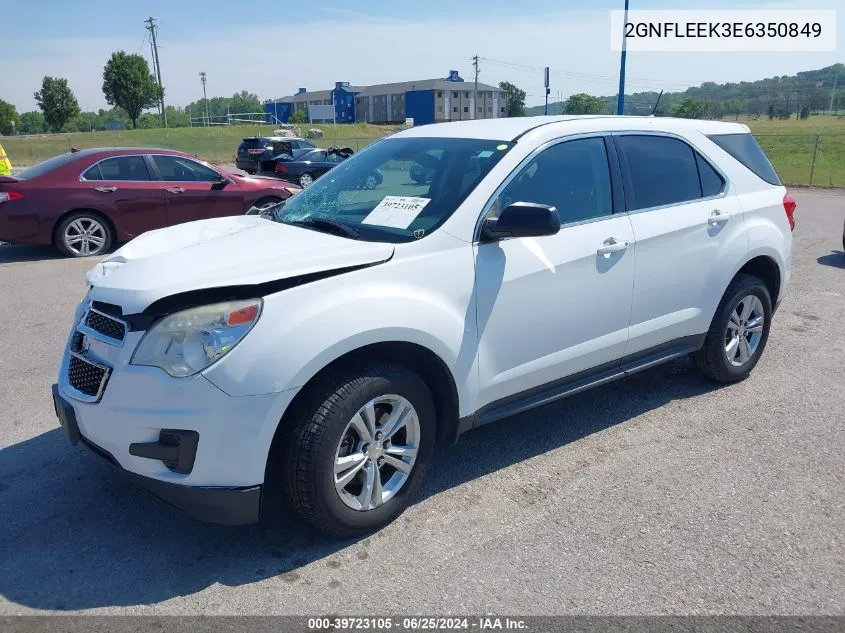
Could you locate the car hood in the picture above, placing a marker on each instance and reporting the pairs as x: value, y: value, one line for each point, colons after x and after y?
x: 265, y: 182
x: 232, y: 251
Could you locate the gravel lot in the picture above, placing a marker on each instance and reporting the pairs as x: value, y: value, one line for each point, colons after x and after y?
x: 660, y: 494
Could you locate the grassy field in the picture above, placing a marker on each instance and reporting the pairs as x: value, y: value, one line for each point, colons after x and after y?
x: 214, y: 144
x: 789, y: 144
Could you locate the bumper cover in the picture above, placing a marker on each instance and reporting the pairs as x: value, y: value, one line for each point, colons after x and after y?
x: 222, y: 505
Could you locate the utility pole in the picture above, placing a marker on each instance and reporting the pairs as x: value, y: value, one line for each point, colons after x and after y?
x: 205, y: 97
x: 546, y: 83
x: 620, y: 99
x: 152, y: 27
x: 475, y: 89
x: 833, y: 92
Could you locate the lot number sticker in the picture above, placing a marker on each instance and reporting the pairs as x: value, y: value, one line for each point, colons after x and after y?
x: 397, y: 212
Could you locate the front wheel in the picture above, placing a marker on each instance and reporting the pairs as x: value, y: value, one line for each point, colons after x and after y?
x: 359, y: 448
x: 739, y: 331
x: 264, y: 206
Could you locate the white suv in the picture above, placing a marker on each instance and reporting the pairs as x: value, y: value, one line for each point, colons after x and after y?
x: 334, y: 344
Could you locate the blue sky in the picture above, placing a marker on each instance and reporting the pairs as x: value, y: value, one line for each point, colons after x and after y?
x: 271, y: 48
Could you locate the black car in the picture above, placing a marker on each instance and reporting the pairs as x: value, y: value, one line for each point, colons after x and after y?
x: 255, y: 153
x: 306, y: 167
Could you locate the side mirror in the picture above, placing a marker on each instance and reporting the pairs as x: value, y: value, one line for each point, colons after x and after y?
x: 521, y: 219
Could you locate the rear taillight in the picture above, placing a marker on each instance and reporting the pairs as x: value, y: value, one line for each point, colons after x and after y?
x: 789, y: 206
x: 8, y: 196
x: 280, y: 168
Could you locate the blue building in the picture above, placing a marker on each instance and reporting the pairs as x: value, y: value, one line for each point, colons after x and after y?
x: 425, y: 101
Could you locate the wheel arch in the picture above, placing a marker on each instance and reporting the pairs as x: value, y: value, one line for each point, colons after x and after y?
x: 767, y: 270
x: 418, y: 358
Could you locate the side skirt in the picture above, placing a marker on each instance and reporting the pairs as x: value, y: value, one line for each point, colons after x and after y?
x: 570, y: 385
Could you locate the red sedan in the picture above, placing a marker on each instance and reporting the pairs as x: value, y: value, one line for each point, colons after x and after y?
x: 85, y: 201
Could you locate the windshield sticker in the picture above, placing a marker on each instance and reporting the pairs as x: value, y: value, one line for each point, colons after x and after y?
x: 397, y: 212
x: 485, y: 154
x: 502, y: 147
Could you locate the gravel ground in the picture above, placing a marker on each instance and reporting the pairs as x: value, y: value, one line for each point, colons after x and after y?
x: 662, y: 493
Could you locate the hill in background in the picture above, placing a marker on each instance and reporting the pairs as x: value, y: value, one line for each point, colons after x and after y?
x: 775, y: 97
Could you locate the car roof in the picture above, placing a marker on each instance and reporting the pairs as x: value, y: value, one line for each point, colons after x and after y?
x: 510, y: 129
x: 96, y: 151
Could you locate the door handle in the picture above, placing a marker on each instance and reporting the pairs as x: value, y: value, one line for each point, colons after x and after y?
x: 717, y: 217
x: 175, y: 189
x: 611, y: 245
x: 105, y: 189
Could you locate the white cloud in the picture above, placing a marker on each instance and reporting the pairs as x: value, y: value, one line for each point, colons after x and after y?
x: 274, y: 61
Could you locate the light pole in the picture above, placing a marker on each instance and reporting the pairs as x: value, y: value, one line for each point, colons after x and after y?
x: 205, y: 97
x: 620, y: 99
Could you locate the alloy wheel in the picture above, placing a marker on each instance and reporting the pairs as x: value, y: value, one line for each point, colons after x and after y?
x: 85, y: 236
x: 305, y: 180
x: 744, y: 331
x: 376, y: 452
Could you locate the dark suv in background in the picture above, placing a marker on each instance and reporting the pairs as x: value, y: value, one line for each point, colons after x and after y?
x: 256, y: 152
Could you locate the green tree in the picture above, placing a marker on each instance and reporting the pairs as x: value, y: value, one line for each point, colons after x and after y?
x: 128, y: 84
x: 583, y: 103
x: 299, y: 117
x: 244, y: 101
x: 9, y: 120
x: 690, y: 108
x: 514, y: 98
x: 176, y: 117
x: 57, y: 102
x: 32, y: 123
x: 735, y: 107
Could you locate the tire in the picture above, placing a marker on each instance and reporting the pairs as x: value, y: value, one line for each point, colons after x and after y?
x: 321, y: 434
x: 256, y: 209
x: 83, y: 234
x: 713, y: 358
x: 305, y: 180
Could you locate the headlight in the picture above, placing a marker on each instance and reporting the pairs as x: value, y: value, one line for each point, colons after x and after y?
x: 187, y: 342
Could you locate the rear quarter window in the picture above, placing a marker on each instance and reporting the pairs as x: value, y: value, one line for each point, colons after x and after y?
x: 747, y: 151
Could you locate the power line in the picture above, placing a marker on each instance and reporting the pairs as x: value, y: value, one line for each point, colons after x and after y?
x: 152, y: 28
x: 590, y: 77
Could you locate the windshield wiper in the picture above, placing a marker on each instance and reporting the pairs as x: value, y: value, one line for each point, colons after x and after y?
x: 324, y: 223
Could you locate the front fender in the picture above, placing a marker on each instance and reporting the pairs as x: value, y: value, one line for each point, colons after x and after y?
x: 304, y: 329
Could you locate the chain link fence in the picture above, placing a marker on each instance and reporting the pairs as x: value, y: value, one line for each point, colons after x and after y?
x: 816, y: 160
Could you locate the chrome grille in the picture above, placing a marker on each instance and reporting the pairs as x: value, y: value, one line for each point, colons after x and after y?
x: 86, y: 377
x: 105, y: 325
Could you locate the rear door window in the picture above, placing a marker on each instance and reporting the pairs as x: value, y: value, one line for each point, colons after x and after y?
x: 658, y: 170
x: 126, y: 168
x: 747, y: 151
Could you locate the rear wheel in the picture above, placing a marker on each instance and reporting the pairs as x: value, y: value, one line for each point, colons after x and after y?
x: 305, y: 180
x: 739, y: 331
x: 83, y: 234
x: 359, y: 448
